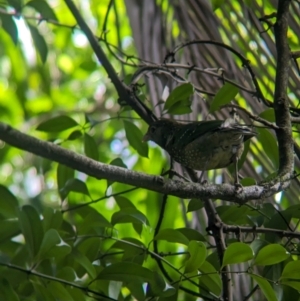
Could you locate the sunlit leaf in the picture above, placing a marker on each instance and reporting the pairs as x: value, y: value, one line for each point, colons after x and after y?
x: 271, y: 254
x: 236, y: 253
x: 223, y: 96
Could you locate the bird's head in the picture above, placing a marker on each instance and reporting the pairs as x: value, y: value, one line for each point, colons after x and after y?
x: 160, y: 132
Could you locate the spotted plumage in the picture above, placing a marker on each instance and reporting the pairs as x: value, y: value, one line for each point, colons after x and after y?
x: 202, y: 145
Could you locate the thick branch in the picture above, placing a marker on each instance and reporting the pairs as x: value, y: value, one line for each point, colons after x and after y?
x: 155, y: 183
x: 281, y: 101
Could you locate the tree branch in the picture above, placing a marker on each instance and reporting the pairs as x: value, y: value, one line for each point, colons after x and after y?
x: 281, y: 101
x: 125, y: 93
x: 99, y: 170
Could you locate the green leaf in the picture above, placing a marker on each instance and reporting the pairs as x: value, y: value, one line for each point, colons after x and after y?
x: 8, y: 203
x: 268, y: 114
x: 75, y: 185
x: 90, y: 147
x: 116, y: 162
x: 195, y: 204
x: 57, y: 124
x: 53, y: 246
x: 198, y: 253
x: 126, y: 272
x: 172, y: 235
x: 247, y: 182
x: 43, y: 8
x: 6, y: 291
x: 271, y: 254
x: 52, y: 218
x: 9, y: 228
x: 210, y: 278
x: 269, y: 145
x: 84, y: 262
x: 74, y: 135
x: 58, y: 291
x: 39, y: 42
x: 32, y: 228
x: 129, y: 215
x: 9, y: 25
x: 265, y: 287
x: 179, y: 94
x: 17, y: 4
x: 236, y: 253
x: 135, y: 138
x: 291, y: 270
x: 180, y: 108
x: 63, y: 174
x: 123, y: 202
x: 191, y: 234
x: 223, y: 96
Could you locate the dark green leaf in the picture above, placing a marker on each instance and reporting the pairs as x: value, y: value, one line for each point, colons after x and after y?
x: 223, y: 96
x: 32, y: 228
x: 248, y: 182
x: 57, y: 124
x: 52, y: 218
x: 191, y: 234
x: 39, y: 42
x: 123, y: 202
x: 210, y: 278
x: 236, y: 253
x: 180, y: 108
x: 172, y: 235
x: 17, y: 4
x: 7, y: 291
x: 268, y: 114
x: 126, y: 272
x: 64, y: 174
x: 75, y: 185
x: 9, y: 25
x: 74, y: 135
x: 9, y: 228
x: 53, y: 246
x: 85, y: 263
x: 194, y: 204
x: 269, y: 145
x: 90, y: 147
x: 179, y: 94
x: 43, y: 8
x: 129, y: 215
x: 58, y: 291
x: 135, y: 138
x: 8, y: 203
x: 118, y: 162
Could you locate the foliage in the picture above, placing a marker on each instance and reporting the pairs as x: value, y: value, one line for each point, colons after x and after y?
x: 66, y: 235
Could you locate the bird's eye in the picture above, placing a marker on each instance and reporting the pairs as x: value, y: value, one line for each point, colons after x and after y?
x: 152, y: 129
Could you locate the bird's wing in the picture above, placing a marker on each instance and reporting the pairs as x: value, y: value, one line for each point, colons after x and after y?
x: 190, y: 132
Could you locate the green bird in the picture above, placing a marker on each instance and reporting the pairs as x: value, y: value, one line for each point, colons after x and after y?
x: 201, y: 145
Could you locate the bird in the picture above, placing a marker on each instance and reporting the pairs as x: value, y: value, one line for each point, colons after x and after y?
x: 201, y: 145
